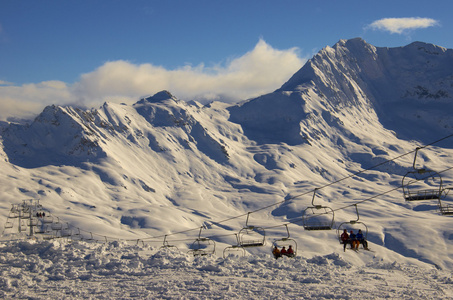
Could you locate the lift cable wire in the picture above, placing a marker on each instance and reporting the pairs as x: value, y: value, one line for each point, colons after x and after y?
x: 358, y: 202
x: 151, y: 239
x: 337, y: 209
x: 310, y: 192
x: 293, y: 197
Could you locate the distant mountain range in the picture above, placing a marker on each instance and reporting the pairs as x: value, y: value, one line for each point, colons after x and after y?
x: 126, y: 167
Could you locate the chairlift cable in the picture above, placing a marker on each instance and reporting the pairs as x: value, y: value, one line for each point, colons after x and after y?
x: 299, y: 195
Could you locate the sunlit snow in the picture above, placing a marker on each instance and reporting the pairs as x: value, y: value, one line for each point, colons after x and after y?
x: 120, y: 184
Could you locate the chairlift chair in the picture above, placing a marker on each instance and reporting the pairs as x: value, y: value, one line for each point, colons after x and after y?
x: 445, y: 208
x: 285, y: 242
x: 202, y: 245
x: 32, y: 221
x: 90, y: 238
x: 318, y: 217
x: 66, y: 231
x: 14, y: 212
x: 353, y: 225
x: 26, y: 214
x: 39, y: 230
x: 422, y: 184
x: 251, y: 236
x: 48, y: 235
x: 166, y: 244
x: 56, y: 225
x: 9, y: 224
x: 236, y: 250
x: 78, y: 235
x: 47, y: 219
x: 22, y: 225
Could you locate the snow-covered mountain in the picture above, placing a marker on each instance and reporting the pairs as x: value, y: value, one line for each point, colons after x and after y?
x: 167, y: 167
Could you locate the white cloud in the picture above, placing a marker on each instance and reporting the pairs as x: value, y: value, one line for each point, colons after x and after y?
x: 2, y: 82
x: 259, y: 71
x: 402, y: 25
x: 26, y: 100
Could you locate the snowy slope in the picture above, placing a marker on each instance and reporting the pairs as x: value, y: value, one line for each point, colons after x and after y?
x: 162, y: 168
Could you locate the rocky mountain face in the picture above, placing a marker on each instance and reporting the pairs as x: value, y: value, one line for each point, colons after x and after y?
x: 409, y: 88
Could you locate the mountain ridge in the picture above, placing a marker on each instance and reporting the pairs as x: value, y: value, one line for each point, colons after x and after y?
x: 163, y: 165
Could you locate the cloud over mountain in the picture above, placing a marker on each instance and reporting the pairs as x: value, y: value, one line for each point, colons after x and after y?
x: 258, y: 71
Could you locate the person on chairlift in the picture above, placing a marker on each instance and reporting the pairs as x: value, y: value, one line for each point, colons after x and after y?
x: 276, y: 252
x: 362, y: 240
x: 290, y: 251
x: 354, y: 242
x: 344, y: 239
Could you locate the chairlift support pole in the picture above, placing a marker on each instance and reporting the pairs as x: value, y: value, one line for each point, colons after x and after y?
x: 358, y: 217
x: 30, y: 224
x: 199, y: 233
x: 287, y: 231
x: 313, y: 199
x: 165, y: 240
x: 415, y: 157
x: 247, y: 221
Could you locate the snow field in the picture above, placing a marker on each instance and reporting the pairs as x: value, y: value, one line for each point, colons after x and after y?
x: 81, y: 270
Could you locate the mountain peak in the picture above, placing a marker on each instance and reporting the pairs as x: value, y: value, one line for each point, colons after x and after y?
x: 158, y: 97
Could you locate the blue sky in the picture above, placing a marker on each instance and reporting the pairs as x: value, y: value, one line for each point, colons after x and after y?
x: 86, y: 52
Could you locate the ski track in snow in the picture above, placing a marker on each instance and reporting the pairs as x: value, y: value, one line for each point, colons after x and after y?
x: 115, y: 270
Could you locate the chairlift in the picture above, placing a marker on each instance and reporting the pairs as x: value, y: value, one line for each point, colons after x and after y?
x: 90, y: 238
x: 41, y: 226
x: 202, y: 245
x: 56, y: 225
x: 32, y: 222
x: 9, y: 224
x: 286, y: 242
x: 26, y: 209
x: 22, y: 226
x: 40, y: 229
x: 66, y: 231
x: 78, y: 235
x: 445, y: 209
x: 14, y: 212
x: 236, y: 250
x: 166, y: 244
x: 48, y: 235
x: 251, y: 236
x: 354, y: 225
x: 47, y: 219
x: 318, y: 217
x: 26, y: 214
x: 422, y: 184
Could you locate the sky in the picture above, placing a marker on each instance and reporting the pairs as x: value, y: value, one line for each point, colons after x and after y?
x: 86, y: 52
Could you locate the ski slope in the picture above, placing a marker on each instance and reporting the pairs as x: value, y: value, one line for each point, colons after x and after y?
x: 122, y: 181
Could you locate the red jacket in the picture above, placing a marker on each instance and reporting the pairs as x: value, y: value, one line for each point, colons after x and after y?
x: 344, y: 237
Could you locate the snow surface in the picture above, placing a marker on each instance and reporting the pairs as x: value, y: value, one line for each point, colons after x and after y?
x: 122, y: 181
x: 80, y: 270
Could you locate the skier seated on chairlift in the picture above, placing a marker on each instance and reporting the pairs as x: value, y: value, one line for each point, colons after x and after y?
x: 284, y: 251
x: 362, y: 240
x: 345, y: 239
x: 276, y: 252
x: 354, y: 241
x: 290, y: 251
